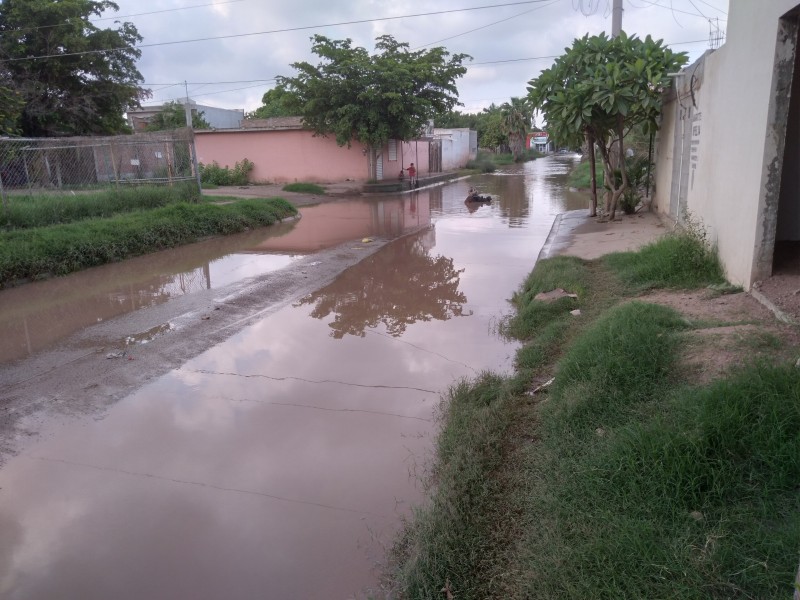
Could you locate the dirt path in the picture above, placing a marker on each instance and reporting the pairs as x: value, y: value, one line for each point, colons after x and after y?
x: 333, y: 192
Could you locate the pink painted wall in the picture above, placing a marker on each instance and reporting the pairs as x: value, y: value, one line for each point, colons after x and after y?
x: 287, y: 156
x: 326, y: 225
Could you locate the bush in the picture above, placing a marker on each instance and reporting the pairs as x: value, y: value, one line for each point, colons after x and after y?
x: 216, y: 175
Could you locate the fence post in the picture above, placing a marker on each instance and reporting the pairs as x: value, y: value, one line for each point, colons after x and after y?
x: 169, y: 163
x: 195, y: 166
x: 113, y: 163
x: 3, y: 194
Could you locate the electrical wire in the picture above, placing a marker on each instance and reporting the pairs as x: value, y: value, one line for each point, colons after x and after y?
x: 487, y: 25
x: 271, y: 31
x: 153, y: 12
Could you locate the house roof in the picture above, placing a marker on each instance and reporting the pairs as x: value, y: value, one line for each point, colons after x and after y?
x: 273, y: 123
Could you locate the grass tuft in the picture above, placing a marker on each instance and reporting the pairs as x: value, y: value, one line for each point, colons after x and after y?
x: 681, y: 260
x: 304, y: 188
x: 451, y: 541
x: 565, y: 272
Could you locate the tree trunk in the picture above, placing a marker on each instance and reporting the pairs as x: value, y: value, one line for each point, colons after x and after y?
x: 372, y: 163
x: 592, y: 164
x: 617, y: 192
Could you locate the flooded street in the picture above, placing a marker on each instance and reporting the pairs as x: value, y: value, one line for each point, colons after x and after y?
x: 278, y: 463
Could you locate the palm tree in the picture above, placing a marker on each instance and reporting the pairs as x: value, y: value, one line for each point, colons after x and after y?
x: 516, y: 122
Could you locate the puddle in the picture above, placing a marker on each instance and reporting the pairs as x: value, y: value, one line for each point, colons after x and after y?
x: 36, y: 315
x: 148, y: 336
x: 278, y: 463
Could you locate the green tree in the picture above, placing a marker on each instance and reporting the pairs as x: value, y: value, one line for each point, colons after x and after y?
x: 491, y: 130
x: 391, y: 94
x: 11, y: 105
x: 57, y: 60
x: 276, y: 102
x: 516, y: 123
x: 456, y: 119
x: 173, y: 116
x: 600, y: 89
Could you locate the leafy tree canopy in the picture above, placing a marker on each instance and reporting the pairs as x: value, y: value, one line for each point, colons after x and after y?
x: 277, y: 102
x: 71, y: 89
x: 373, y: 98
x: 516, y: 122
x: 173, y: 116
x: 491, y: 124
x: 602, y: 87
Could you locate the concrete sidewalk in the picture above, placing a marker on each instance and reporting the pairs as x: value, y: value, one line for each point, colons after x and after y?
x: 575, y: 233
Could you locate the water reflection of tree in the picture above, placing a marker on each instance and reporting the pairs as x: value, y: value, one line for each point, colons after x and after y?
x: 398, y: 286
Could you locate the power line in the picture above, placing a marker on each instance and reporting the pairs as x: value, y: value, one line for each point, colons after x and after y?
x: 677, y: 10
x: 712, y: 6
x: 474, y: 64
x: 525, y: 12
x: 153, y: 12
x: 285, y: 30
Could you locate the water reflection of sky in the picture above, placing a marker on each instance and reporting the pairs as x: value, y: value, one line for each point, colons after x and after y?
x: 276, y: 464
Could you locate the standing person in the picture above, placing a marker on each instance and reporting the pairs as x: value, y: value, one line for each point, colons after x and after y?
x: 412, y: 175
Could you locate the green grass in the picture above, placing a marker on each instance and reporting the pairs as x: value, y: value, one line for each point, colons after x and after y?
x: 304, y: 188
x: 59, y: 249
x: 453, y: 540
x: 581, y: 175
x: 621, y: 480
x: 688, y: 493
x: 487, y: 162
x: 25, y: 212
x: 679, y: 260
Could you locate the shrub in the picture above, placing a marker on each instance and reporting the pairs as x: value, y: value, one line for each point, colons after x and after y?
x: 216, y: 175
x: 304, y: 188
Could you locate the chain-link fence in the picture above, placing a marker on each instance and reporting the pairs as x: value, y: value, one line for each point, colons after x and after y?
x: 34, y: 166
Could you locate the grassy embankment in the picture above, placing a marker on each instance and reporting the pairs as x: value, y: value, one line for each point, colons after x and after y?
x: 487, y: 162
x: 625, y: 478
x: 581, y: 176
x: 55, y: 235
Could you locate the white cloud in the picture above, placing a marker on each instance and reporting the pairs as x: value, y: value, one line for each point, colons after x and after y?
x: 522, y: 31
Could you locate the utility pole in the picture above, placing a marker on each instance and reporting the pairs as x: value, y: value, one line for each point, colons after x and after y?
x: 188, y: 111
x: 616, y: 18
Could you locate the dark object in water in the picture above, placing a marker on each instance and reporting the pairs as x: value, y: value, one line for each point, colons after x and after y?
x: 478, y: 198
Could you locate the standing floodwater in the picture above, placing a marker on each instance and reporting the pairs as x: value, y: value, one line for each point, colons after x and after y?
x: 277, y: 464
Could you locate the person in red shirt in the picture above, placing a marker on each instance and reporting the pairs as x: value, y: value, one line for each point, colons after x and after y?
x: 412, y: 175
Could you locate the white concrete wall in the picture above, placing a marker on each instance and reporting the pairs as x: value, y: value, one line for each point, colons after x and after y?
x: 457, y: 148
x: 222, y: 118
x: 736, y: 143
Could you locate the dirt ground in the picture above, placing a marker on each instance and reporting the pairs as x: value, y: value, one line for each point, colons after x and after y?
x: 333, y: 192
x: 727, y: 330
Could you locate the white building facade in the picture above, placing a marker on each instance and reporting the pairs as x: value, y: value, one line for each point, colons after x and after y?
x: 729, y: 142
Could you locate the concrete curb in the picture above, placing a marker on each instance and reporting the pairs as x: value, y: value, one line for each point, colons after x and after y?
x: 558, y: 239
x: 779, y: 314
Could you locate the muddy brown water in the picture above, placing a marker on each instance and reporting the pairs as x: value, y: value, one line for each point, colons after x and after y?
x: 279, y: 463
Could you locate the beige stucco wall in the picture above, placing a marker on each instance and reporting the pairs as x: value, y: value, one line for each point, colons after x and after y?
x: 736, y: 143
x: 287, y: 156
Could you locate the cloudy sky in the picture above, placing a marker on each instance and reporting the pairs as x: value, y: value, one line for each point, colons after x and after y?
x: 510, y: 41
